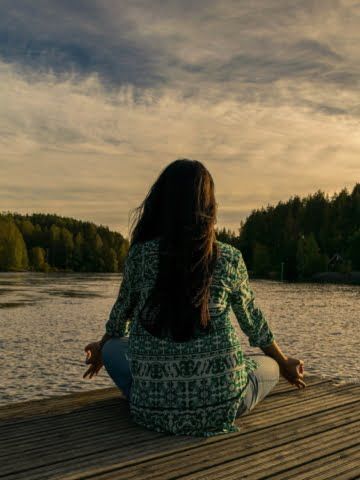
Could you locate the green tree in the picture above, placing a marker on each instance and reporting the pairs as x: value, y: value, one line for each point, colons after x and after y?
x: 122, y: 252
x: 55, y: 246
x: 109, y: 259
x: 354, y: 250
x: 261, y: 259
x: 13, y: 253
x: 27, y: 229
x: 66, y: 247
x: 77, y: 259
x: 38, y: 259
x: 226, y: 235
x: 309, y: 259
x: 67, y: 243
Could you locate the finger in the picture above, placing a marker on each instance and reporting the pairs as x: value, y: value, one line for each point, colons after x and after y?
x: 98, y: 367
x: 294, y: 380
x: 88, y: 356
x: 290, y: 380
x: 87, y: 372
x: 296, y: 384
x: 95, y: 370
x: 300, y: 383
x: 90, y: 371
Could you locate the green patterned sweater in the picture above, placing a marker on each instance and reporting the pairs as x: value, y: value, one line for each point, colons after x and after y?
x: 194, y: 387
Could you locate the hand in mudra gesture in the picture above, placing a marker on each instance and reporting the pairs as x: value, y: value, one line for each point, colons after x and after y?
x: 293, y: 370
x: 94, y: 358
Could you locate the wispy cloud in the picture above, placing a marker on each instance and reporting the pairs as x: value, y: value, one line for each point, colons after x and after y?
x: 97, y: 97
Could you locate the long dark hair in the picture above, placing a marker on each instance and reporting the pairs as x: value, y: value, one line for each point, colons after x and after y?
x: 179, y: 209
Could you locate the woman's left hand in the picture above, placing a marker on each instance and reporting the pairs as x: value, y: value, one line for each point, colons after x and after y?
x: 94, y: 358
x: 293, y: 370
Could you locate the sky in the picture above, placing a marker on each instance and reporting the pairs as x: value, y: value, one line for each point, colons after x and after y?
x: 97, y: 97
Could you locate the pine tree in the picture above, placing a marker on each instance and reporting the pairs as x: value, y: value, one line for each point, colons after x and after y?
x: 38, y: 261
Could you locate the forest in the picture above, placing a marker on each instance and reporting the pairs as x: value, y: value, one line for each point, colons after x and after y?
x: 46, y: 242
x: 292, y: 240
x: 302, y: 236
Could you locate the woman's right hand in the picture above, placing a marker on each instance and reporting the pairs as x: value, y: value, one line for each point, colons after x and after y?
x: 292, y: 370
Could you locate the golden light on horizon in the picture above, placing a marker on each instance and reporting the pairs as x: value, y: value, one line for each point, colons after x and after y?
x: 266, y: 97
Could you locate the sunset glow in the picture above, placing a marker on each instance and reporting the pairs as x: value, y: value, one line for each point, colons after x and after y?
x: 98, y: 97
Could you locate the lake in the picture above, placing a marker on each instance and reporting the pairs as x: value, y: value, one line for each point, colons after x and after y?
x: 47, y: 319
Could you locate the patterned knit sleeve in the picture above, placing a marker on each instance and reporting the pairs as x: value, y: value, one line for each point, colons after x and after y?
x: 251, y: 320
x: 119, y: 319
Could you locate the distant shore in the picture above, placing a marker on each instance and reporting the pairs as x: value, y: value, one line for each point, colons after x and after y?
x: 352, y: 278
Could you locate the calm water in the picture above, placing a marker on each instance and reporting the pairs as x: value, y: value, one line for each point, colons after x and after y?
x: 47, y: 319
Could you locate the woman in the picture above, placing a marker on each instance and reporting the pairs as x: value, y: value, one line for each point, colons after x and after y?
x: 169, y: 344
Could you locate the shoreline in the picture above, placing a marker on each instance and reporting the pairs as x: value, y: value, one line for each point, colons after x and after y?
x: 331, y: 278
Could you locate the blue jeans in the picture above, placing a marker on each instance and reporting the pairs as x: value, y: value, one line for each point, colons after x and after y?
x: 261, y: 381
x: 116, y: 363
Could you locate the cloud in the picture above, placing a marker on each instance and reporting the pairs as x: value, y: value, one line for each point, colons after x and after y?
x: 97, y: 97
x: 64, y: 37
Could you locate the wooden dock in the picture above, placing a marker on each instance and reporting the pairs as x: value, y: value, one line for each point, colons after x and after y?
x: 293, y: 434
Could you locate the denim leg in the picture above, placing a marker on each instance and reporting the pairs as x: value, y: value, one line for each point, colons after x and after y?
x: 261, y: 382
x: 114, y: 355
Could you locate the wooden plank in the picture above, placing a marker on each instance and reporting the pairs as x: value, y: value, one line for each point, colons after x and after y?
x: 22, y: 411
x: 340, y: 465
x: 117, y: 407
x: 118, y: 450
x: 293, y: 396
x: 63, y: 423
x: 120, y: 412
x: 63, y: 439
x: 114, y: 416
x: 208, y: 471
x: 74, y: 428
x: 76, y: 400
x: 113, y: 426
x: 283, y: 387
x: 120, y: 422
x: 193, y: 460
x: 278, y: 459
x: 303, y: 407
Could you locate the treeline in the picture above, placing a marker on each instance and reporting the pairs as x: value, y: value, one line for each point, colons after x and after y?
x: 294, y: 239
x: 302, y: 236
x: 45, y: 242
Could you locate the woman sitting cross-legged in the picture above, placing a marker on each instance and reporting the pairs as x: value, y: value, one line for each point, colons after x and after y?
x: 169, y: 343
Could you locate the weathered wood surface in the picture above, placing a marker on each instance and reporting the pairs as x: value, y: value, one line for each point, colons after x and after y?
x: 293, y: 434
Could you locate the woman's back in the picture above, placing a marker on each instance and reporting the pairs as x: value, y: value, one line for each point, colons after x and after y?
x: 192, y: 387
